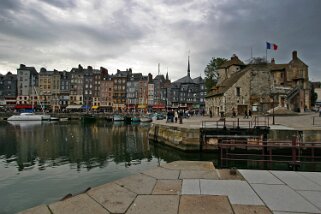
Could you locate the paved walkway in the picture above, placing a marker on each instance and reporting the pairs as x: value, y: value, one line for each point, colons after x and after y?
x: 186, y: 187
x: 302, y: 121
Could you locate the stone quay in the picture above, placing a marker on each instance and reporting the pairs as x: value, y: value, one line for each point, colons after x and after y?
x: 186, y: 187
x: 187, y: 136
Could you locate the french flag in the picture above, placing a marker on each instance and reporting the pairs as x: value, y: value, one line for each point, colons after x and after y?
x: 271, y: 46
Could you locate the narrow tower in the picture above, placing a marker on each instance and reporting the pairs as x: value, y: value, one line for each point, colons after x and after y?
x: 188, y: 68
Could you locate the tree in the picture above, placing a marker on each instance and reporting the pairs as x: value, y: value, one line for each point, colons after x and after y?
x: 314, y: 95
x: 257, y: 61
x: 211, y: 72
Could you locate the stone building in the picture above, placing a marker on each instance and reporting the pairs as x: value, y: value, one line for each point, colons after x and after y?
x: 49, y: 89
x: 151, y: 92
x: 76, y: 88
x: 187, y: 93
x: 259, y: 87
x: 27, y: 81
x: 8, y: 90
x: 246, y: 89
x: 106, y: 91
x: 120, y: 89
x: 65, y: 79
x: 291, y: 84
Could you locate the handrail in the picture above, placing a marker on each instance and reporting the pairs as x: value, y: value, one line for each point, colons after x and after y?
x: 223, y: 123
x: 299, y: 152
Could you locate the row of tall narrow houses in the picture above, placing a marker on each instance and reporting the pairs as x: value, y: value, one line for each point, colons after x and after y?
x: 92, y: 89
x: 260, y: 88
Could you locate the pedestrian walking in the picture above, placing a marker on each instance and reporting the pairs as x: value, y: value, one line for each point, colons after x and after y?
x: 176, y: 116
x: 245, y: 114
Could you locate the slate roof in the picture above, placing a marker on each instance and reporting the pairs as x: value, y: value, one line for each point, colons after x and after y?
x: 186, y: 79
x: 228, y: 83
x: 278, y: 67
x: 198, y: 80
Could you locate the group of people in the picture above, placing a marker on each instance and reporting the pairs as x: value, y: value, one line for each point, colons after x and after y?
x: 174, y: 116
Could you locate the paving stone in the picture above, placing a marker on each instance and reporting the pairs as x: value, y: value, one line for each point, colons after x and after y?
x: 283, y: 199
x: 42, y: 209
x: 156, y: 204
x: 140, y: 184
x: 288, y: 213
x: 260, y: 177
x: 80, y: 204
x: 312, y: 176
x: 224, y: 174
x: 113, y: 197
x: 190, y: 204
x: 168, y: 187
x: 239, y: 192
x: 191, y: 187
x: 162, y: 173
x: 198, y: 174
x: 190, y: 165
x: 296, y: 181
x: 313, y: 197
x: 250, y: 209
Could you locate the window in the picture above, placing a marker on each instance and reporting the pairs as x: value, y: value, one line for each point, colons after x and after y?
x: 238, y: 91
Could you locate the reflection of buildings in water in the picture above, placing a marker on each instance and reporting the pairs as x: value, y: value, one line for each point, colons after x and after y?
x: 48, y: 145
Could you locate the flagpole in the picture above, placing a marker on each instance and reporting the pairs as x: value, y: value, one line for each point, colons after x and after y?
x: 266, y: 52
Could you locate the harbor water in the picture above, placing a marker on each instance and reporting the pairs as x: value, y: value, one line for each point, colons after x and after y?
x: 41, y: 162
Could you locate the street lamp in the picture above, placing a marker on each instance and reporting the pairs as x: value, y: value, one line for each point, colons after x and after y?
x: 273, y: 120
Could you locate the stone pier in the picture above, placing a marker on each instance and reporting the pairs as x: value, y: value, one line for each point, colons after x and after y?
x: 186, y: 187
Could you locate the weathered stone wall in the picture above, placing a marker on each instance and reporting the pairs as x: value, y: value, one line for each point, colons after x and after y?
x: 232, y: 100
x: 186, y: 139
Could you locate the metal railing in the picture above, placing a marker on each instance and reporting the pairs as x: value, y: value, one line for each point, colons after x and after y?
x: 237, y: 123
x: 294, y: 153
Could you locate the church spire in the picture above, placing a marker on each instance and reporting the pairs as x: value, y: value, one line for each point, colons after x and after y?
x: 188, y: 68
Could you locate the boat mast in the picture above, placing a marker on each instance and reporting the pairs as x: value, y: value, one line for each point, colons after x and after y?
x: 38, y: 101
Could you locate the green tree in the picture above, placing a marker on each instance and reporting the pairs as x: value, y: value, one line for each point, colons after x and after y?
x: 314, y: 96
x: 211, y: 72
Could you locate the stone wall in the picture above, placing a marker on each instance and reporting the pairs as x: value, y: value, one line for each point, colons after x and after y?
x: 185, y: 139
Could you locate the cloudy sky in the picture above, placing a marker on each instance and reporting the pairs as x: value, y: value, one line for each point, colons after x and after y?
x: 139, y: 34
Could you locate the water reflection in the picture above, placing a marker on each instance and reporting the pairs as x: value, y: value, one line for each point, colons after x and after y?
x: 82, y: 145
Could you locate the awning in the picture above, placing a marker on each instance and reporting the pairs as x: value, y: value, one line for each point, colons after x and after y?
x: 73, y: 107
x: 142, y: 106
x: 23, y: 107
x: 94, y: 107
x: 85, y: 107
x: 160, y: 106
x: 131, y: 106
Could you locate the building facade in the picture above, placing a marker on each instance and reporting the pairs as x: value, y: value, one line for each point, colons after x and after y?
x: 259, y: 88
x: 8, y: 90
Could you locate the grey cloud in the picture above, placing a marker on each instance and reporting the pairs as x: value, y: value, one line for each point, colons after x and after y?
x: 61, y: 3
x: 227, y: 27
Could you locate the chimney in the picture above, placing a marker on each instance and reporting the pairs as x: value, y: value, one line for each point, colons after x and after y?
x: 294, y: 55
x: 272, y: 61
